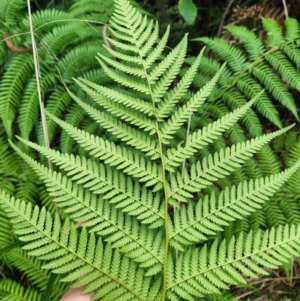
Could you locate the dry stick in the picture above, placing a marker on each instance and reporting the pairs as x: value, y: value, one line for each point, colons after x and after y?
x: 224, y: 17
x: 286, y: 12
x: 38, y: 85
x: 104, y: 36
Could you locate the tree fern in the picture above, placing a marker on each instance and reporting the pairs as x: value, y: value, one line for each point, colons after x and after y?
x: 150, y: 210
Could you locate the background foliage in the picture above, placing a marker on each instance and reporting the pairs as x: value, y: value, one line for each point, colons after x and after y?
x: 67, y: 48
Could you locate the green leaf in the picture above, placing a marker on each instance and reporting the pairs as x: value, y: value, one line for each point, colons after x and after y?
x: 188, y: 11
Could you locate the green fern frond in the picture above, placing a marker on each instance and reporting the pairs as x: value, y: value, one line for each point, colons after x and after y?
x: 234, y: 100
x: 199, y: 272
x: 215, y: 167
x: 279, y: 62
x: 292, y: 29
x: 197, y: 140
x: 122, y: 131
x: 79, y: 59
x: 63, y: 36
x: 51, y: 240
x: 232, y: 54
x: 11, y: 88
x: 250, y: 87
x: 274, y: 32
x: 271, y: 65
x: 6, y: 230
x: 119, y: 97
x: 173, y: 96
x: 93, y: 10
x: 10, y: 9
x: 3, y: 48
x: 181, y: 115
x: 45, y: 20
x: 133, y: 164
x: 8, y: 160
x: 158, y: 194
x: 130, y: 116
x: 56, y: 104
x: 74, y: 117
x: 231, y: 204
x: 13, y: 291
x: 100, y: 218
x: 252, y: 44
x: 29, y: 105
x: 115, y: 187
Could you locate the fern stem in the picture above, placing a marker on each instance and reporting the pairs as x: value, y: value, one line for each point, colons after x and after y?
x: 164, y: 182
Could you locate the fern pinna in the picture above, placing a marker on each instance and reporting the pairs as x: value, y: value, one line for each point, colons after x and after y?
x: 148, y: 215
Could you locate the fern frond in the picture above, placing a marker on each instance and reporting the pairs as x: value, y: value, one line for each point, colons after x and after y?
x: 10, y: 9
x: 128, y: 134
x: 178, y: 92
x: 231, y: 204
x: 216, y: 167
x: 75, y: 116
x: 14, y: 291
x: 31, y: 267
x: 167, y: 70
x: 57, y: 103
x: 11, y: 88
x: 233, y: 55
x: 252, y: 44
x: 158, y: 191
x: 209, y: 269
x: 78, y: 60
x: 270, y: 65
x: 3, y: 48
x: 250, y: 87
x: 101, y: 218
x: 64, y: 36
x: 129, y: 115
x: 278, y: 89
x: 73, y: 254
x: 292, y: 29
x: 6, y: 231
x: 93, y: 10
x: 131, y: 163
x: 279, y: 62
x: 119, y: 97
x: 45, y: 20
x: 29, y: 105
x: 251, y: 121
x: 182, y: 114
x: 199, y: 139
x: 274, y: 32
